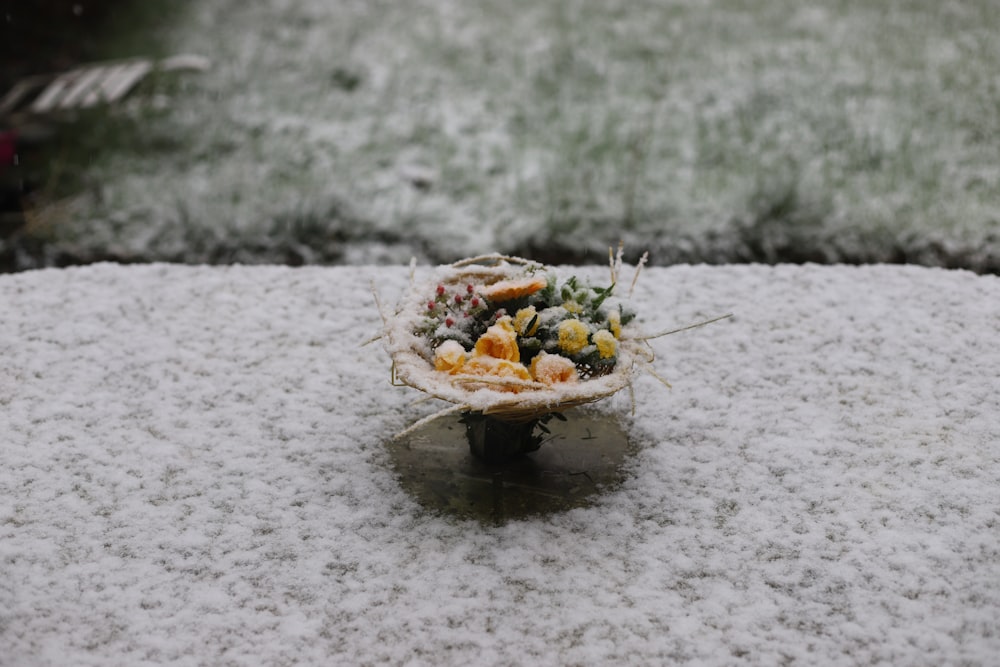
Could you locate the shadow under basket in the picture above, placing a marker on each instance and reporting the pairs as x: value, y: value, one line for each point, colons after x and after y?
x: 476, y: 467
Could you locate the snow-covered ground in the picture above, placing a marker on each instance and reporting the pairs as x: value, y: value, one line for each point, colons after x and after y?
x: 363, y: 132
x: 195, y: 472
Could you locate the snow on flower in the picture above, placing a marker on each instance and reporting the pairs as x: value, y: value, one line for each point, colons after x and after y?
x: 553, y: 369
x: 615, y: 323
x: 500, y: 368
x: 449, y: 357
x: 573, y: 336
x: 539, y: 329
x: 506, y: 290
x: 607, y: 345
x: 499, y: 341
x: 526, y: 321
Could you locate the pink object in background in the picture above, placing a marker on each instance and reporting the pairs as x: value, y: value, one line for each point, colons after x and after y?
x: 8, y: 149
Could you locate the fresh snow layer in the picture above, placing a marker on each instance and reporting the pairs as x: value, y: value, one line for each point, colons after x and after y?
x: 195, y: 472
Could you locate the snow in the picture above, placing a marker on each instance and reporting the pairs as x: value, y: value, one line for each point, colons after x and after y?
x: 196, y: 472
x: 367, y: 132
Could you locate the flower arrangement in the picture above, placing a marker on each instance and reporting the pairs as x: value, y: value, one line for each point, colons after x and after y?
x: 511, y: 346
x: 524, y: 332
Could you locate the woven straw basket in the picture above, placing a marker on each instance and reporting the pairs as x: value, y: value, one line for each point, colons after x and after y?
x: 506, y: 399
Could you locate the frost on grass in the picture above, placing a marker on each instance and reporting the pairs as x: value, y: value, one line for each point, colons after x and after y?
x: 370, y: 132
x: 195, y: 472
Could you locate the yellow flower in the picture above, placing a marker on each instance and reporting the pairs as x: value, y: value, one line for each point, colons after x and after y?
x: 553, y: 369
x: 572, y: 307
x: 606, y: 343
x: 505, y: 290
x: 523, y: 318
x: 449, y: 357
x: 499, y: 341
x: 573, y: 336
x: 615, y: 322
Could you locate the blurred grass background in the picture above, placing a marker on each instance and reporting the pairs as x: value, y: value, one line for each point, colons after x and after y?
x: 370, y: 132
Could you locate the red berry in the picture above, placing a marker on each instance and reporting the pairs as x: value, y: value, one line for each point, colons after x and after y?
x: 440, y: 290
x: 475, y: 301
x: 469, y: 288
x: 430, y: 305
x: 458, y: 298
x: 448, y: 322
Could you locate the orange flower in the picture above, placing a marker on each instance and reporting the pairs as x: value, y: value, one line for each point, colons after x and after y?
x: 449, y: 357
x: 553, y: 369
x: 499, y: 341
x: 505, y: 290
x: 501, y: 368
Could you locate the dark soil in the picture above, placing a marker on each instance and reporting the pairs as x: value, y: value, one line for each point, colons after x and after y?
x: 44, y: 36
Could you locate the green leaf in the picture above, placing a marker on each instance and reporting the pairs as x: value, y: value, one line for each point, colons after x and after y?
x: 602, y: 295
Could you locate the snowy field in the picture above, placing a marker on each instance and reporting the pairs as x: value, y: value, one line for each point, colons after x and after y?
x: 195, y: 472
x: 368, y: 132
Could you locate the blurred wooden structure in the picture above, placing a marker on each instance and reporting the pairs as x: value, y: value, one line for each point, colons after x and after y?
x: 88, y: 85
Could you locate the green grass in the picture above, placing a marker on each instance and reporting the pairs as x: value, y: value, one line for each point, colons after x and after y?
x: 730, y: 131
